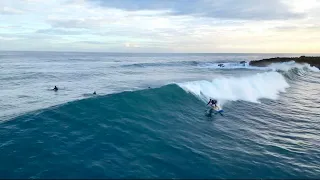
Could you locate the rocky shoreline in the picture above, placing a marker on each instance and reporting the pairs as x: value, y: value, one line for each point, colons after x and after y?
x: 312, y: 60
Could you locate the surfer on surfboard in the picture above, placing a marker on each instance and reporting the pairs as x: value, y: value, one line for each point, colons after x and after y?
x: 214, y: 107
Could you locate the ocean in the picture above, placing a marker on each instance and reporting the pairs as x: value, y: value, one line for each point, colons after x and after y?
x: 148, y: 117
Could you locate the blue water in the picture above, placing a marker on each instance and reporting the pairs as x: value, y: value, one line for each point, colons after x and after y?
x: 148, y: 117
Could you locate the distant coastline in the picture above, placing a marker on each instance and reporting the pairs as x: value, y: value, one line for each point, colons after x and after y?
x: 312, y: 60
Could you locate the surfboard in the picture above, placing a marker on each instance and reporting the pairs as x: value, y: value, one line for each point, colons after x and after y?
x: 215, y: 110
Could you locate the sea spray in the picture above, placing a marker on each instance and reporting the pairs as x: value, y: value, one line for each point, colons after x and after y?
x: 248, y: 88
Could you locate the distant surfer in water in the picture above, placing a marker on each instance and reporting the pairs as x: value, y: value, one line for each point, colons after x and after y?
x: 55, y: 88
x: 94, y: 93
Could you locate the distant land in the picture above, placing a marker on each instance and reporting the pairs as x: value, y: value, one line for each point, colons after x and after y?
x: 312, y: 60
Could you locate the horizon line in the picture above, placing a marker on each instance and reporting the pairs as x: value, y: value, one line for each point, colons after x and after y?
x: 159, y: 52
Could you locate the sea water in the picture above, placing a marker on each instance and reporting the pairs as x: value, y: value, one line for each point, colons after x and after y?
x: 148, y: 117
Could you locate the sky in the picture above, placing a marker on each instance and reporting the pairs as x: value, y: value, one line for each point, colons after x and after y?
x: 186, y: 26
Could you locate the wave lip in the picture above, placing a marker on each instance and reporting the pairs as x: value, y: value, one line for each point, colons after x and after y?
x: 250, y: 88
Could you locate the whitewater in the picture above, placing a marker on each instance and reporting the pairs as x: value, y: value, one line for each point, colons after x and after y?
x: 147, y: 119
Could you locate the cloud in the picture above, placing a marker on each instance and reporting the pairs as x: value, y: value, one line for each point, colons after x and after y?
x: 161, y: 26
x: 54, y: 31
x: 307, y: 28
x: 9, y: 26
x: 4, y: 38
x: 10, y: 11
x: 84, y: 23
x: 224, y: 9
x: 93, y: 42
x: 131, y: 45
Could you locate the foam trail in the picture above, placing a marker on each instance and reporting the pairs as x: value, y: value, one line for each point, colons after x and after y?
x: 249, y: 88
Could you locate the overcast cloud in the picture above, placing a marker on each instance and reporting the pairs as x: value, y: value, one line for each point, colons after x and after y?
x: 160, y: 25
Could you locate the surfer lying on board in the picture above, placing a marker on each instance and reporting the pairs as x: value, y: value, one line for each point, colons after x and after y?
x: 55, y: 88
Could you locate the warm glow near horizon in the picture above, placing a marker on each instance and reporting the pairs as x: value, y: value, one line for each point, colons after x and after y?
x: 248, y: 26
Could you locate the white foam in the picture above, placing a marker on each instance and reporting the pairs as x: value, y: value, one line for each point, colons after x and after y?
x: 285, y: 66
x: 248, y: 88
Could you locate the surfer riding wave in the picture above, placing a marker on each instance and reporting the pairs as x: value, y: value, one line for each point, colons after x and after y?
x: 214, y: 107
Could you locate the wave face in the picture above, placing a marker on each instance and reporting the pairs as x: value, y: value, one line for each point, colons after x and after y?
x: 112, y: 136
x: 251, y: 88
